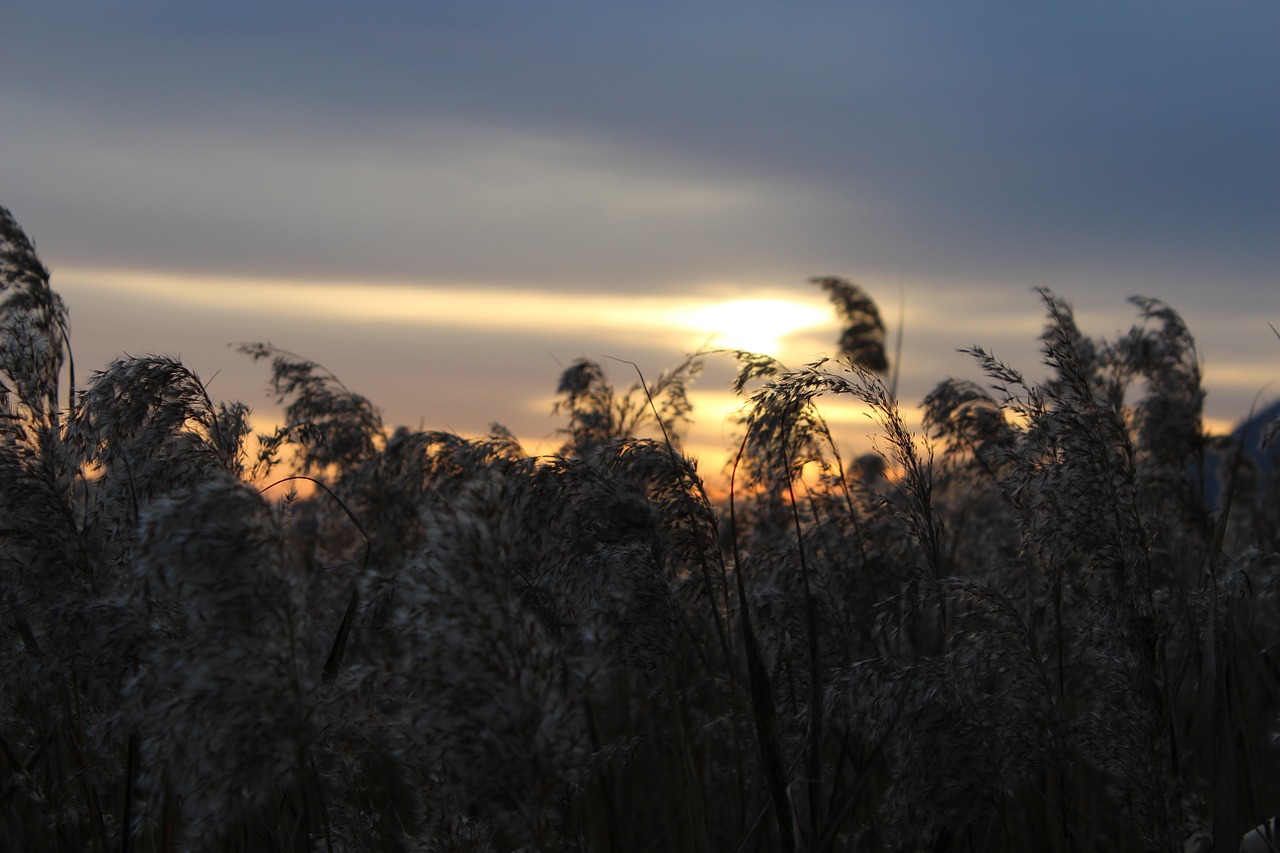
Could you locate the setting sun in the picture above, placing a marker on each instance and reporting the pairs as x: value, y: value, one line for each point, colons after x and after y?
x: 755, y: 325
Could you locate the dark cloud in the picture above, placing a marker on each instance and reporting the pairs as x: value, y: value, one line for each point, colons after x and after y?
x: 944, y: 136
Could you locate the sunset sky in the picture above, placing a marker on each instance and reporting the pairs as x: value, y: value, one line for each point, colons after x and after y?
x: 446, y: 203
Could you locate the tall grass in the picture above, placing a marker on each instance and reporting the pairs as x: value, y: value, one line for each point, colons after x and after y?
x: 1022, y: 629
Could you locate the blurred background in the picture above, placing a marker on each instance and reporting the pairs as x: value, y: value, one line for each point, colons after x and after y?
x: 446, y: 204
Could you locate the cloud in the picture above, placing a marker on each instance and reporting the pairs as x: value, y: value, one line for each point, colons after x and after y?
x: 423, y: 199
x: 620, y: 147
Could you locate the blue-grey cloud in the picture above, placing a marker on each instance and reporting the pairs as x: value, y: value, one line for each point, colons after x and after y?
x: 944, y: 136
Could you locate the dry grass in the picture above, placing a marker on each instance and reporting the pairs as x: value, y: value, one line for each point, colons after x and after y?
x: 1034, y: 635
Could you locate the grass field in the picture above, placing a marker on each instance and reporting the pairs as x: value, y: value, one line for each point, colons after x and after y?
x: 1024, y: 630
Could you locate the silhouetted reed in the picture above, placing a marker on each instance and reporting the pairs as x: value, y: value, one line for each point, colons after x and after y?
x: 1022, y: 628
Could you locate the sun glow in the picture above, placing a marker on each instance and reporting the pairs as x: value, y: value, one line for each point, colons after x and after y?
x: 755, y: 325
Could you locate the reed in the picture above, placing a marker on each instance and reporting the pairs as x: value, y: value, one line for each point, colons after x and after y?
x: 1023, y: 628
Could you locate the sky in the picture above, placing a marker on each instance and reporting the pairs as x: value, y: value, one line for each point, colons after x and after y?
x: 447, y: 203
